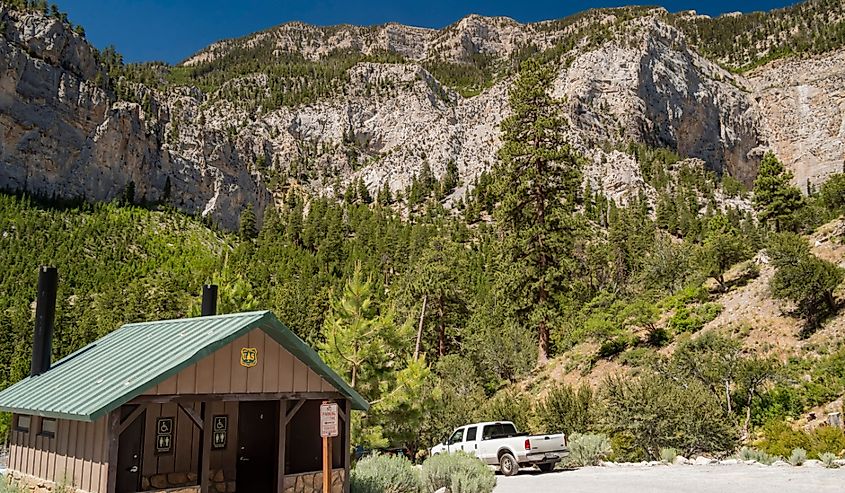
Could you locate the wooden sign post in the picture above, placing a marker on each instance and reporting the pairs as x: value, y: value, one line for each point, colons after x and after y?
x: 328, y: 430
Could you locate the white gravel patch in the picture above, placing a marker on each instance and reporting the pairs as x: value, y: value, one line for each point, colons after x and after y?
x: 713, y: 478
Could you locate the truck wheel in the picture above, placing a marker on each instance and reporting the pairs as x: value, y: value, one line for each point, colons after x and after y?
x: 508, y: 465
x: 547, y: 467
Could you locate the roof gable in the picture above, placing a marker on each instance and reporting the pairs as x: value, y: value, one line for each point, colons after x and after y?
x: 125, y: 363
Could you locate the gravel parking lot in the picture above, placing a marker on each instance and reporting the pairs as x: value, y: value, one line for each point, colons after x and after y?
x: 694, y: 479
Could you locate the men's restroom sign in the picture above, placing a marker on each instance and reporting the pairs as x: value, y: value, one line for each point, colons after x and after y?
x: 164, y: 435
x: 219, y: 429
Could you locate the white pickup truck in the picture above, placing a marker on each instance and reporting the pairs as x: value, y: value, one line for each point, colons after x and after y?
x: 498, y: 443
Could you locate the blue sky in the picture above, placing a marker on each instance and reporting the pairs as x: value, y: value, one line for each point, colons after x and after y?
x: 170, y: 30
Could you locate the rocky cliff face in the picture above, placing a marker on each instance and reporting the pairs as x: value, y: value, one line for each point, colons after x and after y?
x: 64, y: 136
x: 803, y: 104
x: 638, y: 80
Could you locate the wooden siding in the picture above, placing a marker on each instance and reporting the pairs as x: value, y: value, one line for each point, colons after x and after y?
x: 184, y: 458
x: 76, y: 454
x: 276, y: 370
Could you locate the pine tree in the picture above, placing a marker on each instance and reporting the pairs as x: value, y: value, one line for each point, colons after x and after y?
x: 803, y: 278
x: 436, y: 277
x: 539, y: 175
x: 384, y: 197
x: 449, y: 180
x: 129, y: 193
x: 775, y: 198
x: 167, y: 192
x: 247, y: 228
x: 722, y: 249
x: 360, y: 341
x: 363, y: 192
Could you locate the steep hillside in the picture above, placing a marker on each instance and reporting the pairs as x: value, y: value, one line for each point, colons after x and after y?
x: 322, y: 108
x: 748, y: 312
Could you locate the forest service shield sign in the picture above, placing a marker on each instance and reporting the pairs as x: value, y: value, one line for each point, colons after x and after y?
x: 249, y: 357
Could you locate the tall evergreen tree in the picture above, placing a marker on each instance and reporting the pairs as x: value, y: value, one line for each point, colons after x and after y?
x: 775, y: 198
x: 539, y: 175
x: 247, y: 228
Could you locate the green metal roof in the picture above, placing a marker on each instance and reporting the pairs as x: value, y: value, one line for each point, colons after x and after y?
x: 115, y: 369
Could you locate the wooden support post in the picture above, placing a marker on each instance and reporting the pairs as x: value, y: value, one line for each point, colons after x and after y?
x: 113, y: 448
x: 346, y: 453
x: 205, y: 452
x: 327, y: 465
x: 283, y: 427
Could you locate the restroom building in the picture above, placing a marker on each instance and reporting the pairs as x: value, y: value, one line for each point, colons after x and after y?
x: 217, y: 403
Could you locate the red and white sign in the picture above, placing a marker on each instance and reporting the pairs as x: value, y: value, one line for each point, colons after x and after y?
x: 328, y: 420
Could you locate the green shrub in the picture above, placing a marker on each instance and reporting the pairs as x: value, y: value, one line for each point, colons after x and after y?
x: 639, y: 357
x: 687, y: 296
x: 655, y: 411
x: 458, y: 473
x: 749, y: 453
x: 565, y: 410
x: 587, y: 449
x: 781, y: 439
x: 384, y: 474
x: 797, y: 457
x: 832, y: 192
x: 614, y: 346
x: 827, y: 439
x: 668, y: 454
x: 828, y: 459
x: 693, y: 319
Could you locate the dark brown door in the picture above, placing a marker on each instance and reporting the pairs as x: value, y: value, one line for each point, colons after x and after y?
x: 257, y: 449
x: 130, y: 452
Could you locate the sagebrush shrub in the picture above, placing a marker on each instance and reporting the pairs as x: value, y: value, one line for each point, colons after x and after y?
x: 668, y: 454
x: 384, y: 474
x: 587, y: 449
x: 458, y: 473
x: 828, y: 459
x: 798, y: 456
x: 9, y: 487
x: 749, y: 453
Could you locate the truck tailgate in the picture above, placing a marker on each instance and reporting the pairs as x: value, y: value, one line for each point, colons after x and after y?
x: 541, y: 444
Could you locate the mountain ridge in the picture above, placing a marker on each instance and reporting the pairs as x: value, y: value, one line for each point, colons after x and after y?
x: 254, y: 123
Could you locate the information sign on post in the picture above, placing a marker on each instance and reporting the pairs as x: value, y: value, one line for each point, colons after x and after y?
x: 328, y: 430
x: 328, y: 420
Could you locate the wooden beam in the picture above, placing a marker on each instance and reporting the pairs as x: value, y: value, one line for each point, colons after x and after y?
x: 277, y: 396
x: 193, y: 415
x: 131, y: 418
x: 205, y: 461
x: 340, y: 411
x: 283, y: 433
x: 113, y: 444
x: 295, y: 410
